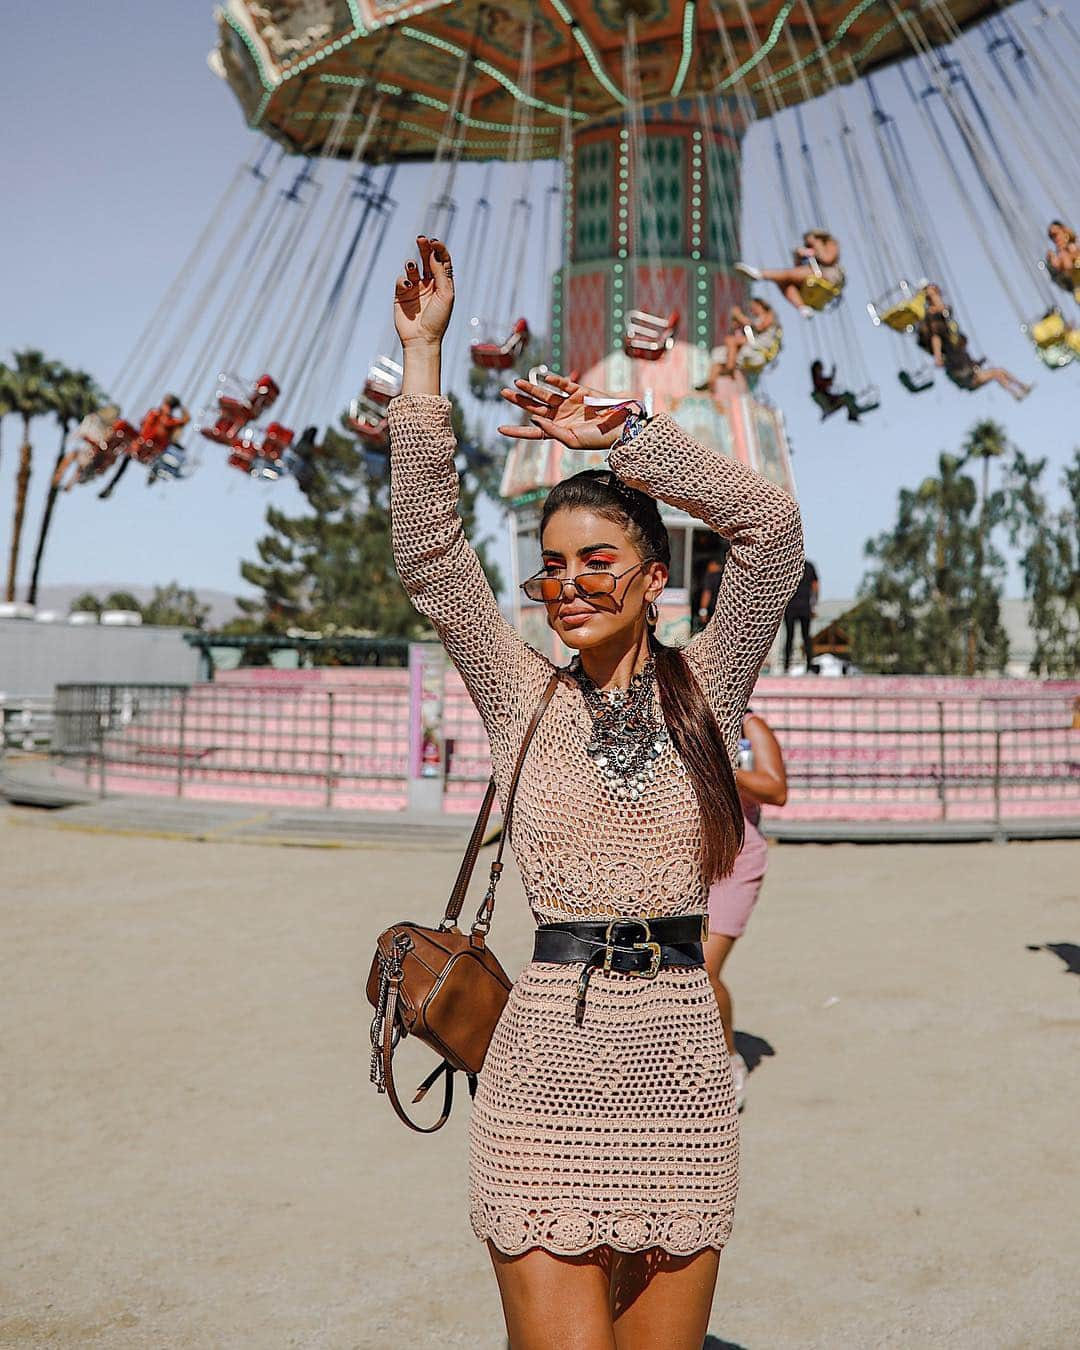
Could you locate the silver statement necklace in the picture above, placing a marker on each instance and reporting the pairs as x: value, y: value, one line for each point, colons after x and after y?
x: 627, y: 736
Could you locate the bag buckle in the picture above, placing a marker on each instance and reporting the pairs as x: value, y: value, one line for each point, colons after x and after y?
x: 653, y: 948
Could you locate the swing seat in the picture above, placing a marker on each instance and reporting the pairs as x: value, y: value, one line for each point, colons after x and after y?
x: 759, y: 352
x: 900, y: 309
x: 171, y: 463
x: 501, y: 355
x: 649, y: 336
x: 264, y: 394
x: 868, y: 399
x: 242, y: 456
x: 276, y: 440
x: 372, y: 431
x: 100, y: 461
x: 916, y: 381
x: 122, y: 435
x: 245, y: 400
x: 223, y: 429
x: 818, y: 292
x: 1059, y: 354
x: 146, y: 449
x: 383, y: 381
x: 267, y: 470
x: 1049, y: 330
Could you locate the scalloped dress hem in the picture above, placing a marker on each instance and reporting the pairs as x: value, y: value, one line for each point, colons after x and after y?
x: 575, y: 1232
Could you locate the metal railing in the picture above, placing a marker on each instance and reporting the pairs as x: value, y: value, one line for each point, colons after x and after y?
x: 964, y: 757
x: 849, y: 756
x: 301, y: 744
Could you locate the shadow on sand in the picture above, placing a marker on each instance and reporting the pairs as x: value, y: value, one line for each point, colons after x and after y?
x: 715, y: 1343
x: 753, y: 1049
x: 1069, y: 952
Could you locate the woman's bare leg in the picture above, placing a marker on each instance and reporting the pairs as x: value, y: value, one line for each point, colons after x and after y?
x: 732, y: 343
x: 717, y: 949
x: 557, y: 1302
x: 659, y: 1300
x: 1008, y: 381
x: 786, y: 276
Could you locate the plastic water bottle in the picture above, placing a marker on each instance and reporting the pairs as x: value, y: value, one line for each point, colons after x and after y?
x: 745, y: 757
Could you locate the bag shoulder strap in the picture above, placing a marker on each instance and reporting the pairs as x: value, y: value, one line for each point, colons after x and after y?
x: 386, y: 1051
x: 476, y: 839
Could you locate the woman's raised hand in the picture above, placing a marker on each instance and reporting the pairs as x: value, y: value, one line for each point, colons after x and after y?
x: 564, y: 416
x: 424, y: 296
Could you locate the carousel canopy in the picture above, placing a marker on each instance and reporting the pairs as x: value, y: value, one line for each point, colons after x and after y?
x: 295, y: 64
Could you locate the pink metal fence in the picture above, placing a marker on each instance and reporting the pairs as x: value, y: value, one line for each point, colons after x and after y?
x: 863, y: 749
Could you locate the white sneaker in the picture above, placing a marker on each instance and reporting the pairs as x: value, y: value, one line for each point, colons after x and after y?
x: 806, y: 311
x: 754, y: 273
x: 739, y: 1073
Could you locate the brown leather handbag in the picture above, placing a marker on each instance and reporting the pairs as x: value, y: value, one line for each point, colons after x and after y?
x: 441, y: 985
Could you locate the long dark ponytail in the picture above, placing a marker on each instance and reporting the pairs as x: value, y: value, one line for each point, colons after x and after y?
x: 689, y: 719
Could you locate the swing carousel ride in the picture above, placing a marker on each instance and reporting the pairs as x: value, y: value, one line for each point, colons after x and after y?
x: 641, y: 109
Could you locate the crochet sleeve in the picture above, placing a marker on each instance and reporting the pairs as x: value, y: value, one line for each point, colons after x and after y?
x: 762, y: 525
x: 441, y: 572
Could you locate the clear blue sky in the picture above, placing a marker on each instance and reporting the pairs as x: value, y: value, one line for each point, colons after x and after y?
x: 119, y: 139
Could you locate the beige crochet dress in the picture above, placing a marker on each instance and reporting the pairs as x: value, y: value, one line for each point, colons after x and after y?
x: 621, y: 1132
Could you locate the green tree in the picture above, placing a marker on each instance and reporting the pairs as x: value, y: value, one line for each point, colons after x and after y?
x: 87, y: 603
x: 332, y: 570
x: 931, y: 601
x: 174, y: 606
x: 31, y: 395
x: 73, y: 395
x: 1049, y: 547
x: 121, y: 600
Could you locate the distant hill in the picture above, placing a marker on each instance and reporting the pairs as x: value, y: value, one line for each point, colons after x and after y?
x: 59, y: 597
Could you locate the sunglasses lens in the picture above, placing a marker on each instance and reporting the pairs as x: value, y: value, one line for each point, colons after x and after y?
x: 596, y: 583
x: 543, y: 588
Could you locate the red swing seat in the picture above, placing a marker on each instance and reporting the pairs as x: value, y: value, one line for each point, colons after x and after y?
x: 276, y: 440
x: 383, y: 381
x: 121, y: 437
x: 225, y: 429
x: 501, y: 355
x: 243, y: 456
x: 649, y: 336
x: 238, y: 404
x: 372, y: 431
x: 263, y: 395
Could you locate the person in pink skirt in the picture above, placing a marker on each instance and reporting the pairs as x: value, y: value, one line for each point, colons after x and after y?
x: 761, y: 777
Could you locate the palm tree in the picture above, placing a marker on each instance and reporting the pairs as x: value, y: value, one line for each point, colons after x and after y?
x: 31, y: 397
x: 6, y: 391
x: 74, y: 395
x: 986, y: 440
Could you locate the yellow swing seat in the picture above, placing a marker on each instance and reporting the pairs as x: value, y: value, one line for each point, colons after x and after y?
x: 818, y: 292
x: 759, y: 352
x: 1048, y: 330
x: 1056, y: 344
x: 901, y: 310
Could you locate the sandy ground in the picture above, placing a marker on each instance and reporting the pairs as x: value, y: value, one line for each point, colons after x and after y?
x: 193, y: 1155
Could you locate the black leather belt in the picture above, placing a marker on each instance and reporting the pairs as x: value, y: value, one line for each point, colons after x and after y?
x: 641, y: 947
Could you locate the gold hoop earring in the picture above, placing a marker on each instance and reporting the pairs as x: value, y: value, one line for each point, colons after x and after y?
x: 652, y: 614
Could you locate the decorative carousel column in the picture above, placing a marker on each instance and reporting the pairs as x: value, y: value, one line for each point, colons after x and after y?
x: 681, y: 258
